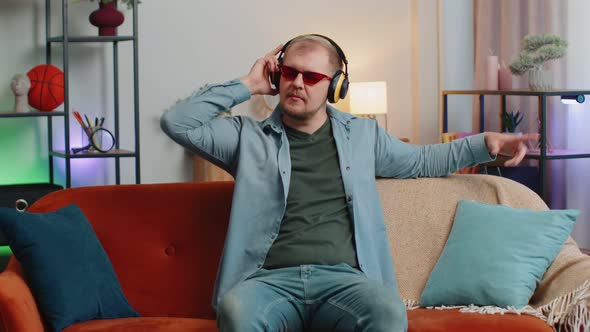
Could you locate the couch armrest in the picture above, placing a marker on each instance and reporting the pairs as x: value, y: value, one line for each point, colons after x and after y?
x: 565, y: 288
x: 18, y: 310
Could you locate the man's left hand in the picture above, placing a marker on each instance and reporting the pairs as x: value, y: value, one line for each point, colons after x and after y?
x: 509, y: 145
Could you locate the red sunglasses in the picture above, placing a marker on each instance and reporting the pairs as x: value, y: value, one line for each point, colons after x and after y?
x: 309, y: 77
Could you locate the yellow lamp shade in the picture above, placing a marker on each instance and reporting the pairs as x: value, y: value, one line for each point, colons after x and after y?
x: 368, y: 97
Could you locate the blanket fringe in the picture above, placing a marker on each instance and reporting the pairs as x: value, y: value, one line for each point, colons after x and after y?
x: 492, y: 310
x: 567, y: 313
x: 570, y: 311
x: 411, y: 304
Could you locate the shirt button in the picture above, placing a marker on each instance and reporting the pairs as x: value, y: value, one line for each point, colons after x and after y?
x: 348, y: 122
x: 348, y: 168
x: 273, y: 236
x: 350, y: 198
x: 259, y: 265
x: 284, y: 172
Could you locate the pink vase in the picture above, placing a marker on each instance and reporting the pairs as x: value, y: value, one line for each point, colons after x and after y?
x: 107, y: 18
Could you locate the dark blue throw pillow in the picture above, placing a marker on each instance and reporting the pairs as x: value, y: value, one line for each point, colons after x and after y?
x: 65, y: 265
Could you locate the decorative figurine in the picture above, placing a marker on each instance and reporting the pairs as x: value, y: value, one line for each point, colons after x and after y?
x: 20, y: 87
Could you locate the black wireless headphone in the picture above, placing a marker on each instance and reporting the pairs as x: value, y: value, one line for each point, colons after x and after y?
x: 338, y: 85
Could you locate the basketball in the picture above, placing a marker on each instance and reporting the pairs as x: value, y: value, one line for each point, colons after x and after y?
x: 47, y: 87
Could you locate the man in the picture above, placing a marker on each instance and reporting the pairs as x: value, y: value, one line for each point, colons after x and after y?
x: 306, y: 247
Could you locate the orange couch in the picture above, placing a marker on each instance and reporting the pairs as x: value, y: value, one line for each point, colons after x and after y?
x: 165, y: 241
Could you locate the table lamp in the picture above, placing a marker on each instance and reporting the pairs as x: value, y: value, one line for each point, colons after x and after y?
x: 368, y: 99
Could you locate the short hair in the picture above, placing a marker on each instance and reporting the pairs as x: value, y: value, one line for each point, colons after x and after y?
x: 308, y: 42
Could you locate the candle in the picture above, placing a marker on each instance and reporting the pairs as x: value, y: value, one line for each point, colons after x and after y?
x: 491, y: 72
x: 505, y: 79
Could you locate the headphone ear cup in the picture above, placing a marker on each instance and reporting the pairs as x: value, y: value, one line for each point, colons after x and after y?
x: 344, y: 88
x: 275, y: 79
x: 334, y: 91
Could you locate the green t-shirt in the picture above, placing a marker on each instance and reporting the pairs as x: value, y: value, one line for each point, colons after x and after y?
x: 316, y: 228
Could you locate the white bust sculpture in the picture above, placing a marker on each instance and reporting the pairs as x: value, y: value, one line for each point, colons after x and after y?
x: 20, y: 87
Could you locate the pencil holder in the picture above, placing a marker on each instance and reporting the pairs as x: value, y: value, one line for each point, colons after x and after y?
x: 97, y: 139
x: 87, y: 135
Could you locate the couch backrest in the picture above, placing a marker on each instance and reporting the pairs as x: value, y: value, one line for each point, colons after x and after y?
x: 419, y: 215
x: 165, y: 240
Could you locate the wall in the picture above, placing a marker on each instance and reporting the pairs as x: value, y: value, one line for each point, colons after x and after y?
x: 456, y: 60
x: 187, y: 44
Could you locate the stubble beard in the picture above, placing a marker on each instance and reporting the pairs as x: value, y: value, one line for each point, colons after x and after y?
x: 303, y: 115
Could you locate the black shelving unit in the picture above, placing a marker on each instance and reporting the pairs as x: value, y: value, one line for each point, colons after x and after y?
x: 542, y: 154
x: 65, y: 40
x: 32, y: 191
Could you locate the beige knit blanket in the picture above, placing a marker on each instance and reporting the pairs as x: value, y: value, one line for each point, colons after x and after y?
x: 419, y: 214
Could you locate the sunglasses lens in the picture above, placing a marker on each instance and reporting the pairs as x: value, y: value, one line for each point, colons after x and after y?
x: 312, y: 78
x: 309, y: 77
x: 289, y: 73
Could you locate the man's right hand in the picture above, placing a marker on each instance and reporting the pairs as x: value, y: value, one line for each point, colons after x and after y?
x: 257, y: 79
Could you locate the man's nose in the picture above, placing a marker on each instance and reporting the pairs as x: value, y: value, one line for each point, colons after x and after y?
x: 298, y: 81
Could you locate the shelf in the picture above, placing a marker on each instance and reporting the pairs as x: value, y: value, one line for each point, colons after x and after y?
x: 523, y: 92
x: 93, y: 154
x: 90, y: 39
x: 7, y: 114
x: 542, y: 96
x: 558, y: 154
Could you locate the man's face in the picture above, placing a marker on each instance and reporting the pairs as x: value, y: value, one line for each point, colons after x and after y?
x: 302, y: 101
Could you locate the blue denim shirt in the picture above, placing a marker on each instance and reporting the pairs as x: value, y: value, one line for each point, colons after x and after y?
x: 256, y: 153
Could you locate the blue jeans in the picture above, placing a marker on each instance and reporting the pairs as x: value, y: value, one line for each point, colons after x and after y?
x: 311, y: 297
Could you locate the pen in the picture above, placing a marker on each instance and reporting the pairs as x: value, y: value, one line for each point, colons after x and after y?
x: 78, y: 118
x: 88, y: 120
x: 101, y: 121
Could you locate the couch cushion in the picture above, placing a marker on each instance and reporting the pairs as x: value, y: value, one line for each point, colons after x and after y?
x: 419, y: 320
x: 65, y: 265
x: 148, y: 324
x: 432, y: 320
x: 496, y: 255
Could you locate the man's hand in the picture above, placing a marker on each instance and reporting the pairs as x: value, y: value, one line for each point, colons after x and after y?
x: 509, y: 145
x: 257, y: 79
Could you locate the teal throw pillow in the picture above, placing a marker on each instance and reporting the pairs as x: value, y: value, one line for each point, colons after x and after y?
x: 496, y: 255
x: 65, y: 265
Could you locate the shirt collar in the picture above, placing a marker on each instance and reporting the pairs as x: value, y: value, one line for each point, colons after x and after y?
x: 339, y: 115
x: 275, y: 122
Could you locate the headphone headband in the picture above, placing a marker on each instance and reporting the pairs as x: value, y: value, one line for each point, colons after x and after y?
x: 333, y: 43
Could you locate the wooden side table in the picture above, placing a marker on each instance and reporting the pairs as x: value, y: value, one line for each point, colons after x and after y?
x: 203, y: 170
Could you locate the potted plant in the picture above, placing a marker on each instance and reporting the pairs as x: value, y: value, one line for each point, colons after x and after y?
x: 107, y: 18
x: 510, y: 121
x: 536, y: 50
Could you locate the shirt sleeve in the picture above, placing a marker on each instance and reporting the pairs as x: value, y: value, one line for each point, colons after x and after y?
x: 196, y: 122
x: 396, y: 159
